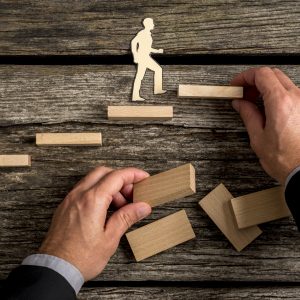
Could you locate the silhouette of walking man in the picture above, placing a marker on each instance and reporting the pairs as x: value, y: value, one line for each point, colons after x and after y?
x: 141, y: 48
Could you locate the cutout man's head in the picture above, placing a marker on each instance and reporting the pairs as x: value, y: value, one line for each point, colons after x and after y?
x: 148, y: 23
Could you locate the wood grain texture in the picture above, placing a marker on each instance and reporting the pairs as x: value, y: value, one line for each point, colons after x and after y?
x: 210, y: 91
x: 210, y: 135
x: 260, y: 207
x: 140, y: 113
x: 177, y: 293
x: 167, y: 186
x: 160, y: 235
x: 69, y: 139
x: 106, y: 27
x: 15, y: 160
x: 37, y: 94
x: 217, y: 204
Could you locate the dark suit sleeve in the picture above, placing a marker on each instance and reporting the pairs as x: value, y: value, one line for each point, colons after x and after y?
x: 36, y: 283
x: 292, y: 197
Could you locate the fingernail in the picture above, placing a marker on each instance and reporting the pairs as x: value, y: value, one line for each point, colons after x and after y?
x: 144, y: 210
x: 236, y: 105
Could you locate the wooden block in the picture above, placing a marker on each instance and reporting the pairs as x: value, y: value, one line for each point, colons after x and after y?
x: 69, y: 139
x: 260, y: 207
x: 15, y: 160
x: 160, y: 235
x: 218, y: 206
x: 210, y: 91
x: 140, y: 113
x: 167, y: 186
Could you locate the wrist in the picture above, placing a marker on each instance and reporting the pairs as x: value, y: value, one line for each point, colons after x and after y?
x: 59, y: 252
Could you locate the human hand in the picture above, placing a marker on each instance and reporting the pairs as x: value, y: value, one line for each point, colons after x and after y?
x: 79, y: 232
x: 160, y: 51
x: 274, y: 133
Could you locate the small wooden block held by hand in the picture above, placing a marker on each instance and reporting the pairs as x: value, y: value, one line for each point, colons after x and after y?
x: 140, y: 113
x: 69, y: 139
x: 160, y: 235
x: 218, y: 207
x: 167, y: 186
x: 260, y: 207
x: 210, y: 91
x: 15, y: 160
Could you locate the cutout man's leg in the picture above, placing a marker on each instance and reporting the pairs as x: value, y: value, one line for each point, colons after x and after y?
x: 158, y: 76
x: 140, y: 73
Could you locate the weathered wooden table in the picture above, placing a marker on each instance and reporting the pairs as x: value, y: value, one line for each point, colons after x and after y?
x: 38, y: 97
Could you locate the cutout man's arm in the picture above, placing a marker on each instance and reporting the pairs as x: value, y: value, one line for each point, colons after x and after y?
x: 157, y: 50
x: 134, y: 44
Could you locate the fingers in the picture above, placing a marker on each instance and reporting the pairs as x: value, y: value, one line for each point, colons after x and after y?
x: 264, y: 79
x: 116, y: 180
x: 284, y: 79
x: 91, y: 179
x: 125, y: 217
x: 121, y: 198
x: 251, y: 116
x: 127, y: 191
x: 112, y: 184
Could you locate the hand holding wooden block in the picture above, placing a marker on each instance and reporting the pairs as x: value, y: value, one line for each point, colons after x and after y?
x: 15, y: 160
x: 260, y: 207
x: 210, y: 91
x: 217, y: 205
x: 167, y: 186
x: 160, y: 235
x: 69, y: 139
x: 140, y: 113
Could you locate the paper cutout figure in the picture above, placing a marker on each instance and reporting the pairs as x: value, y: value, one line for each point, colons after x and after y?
x: 141, y: 48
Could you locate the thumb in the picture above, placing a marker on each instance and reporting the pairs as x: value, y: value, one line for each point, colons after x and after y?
x: 251, y: 116
x: 125, y: 217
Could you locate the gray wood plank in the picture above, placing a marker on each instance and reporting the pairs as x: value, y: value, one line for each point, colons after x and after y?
x: 207, y: 133
x: 106, y: 27
x: 169, y: 293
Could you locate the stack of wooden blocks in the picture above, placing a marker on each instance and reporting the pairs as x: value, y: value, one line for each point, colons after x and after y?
x: 237, y: 217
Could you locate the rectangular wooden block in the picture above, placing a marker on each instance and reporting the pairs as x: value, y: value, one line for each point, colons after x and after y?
x: 210, y: 91
x: 218, y: 207
x: 160, y: 235
x: 167, y: 186
x: 69, y: 139
x: 140, y: 113
x: 260, y: 207
x: 15, y: 160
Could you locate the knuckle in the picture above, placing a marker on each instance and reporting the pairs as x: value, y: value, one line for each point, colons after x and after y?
x: 102, y: 168
x: 69, y: 199
x: 285, y: 107
x: 276, y: 70
x: 88, y: 196
x: 118, y: 173
x: 264, y: 71
x: 126, y: 219
x: 286, y: 98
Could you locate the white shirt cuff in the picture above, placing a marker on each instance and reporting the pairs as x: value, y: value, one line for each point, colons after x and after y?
x: 59, y: 265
